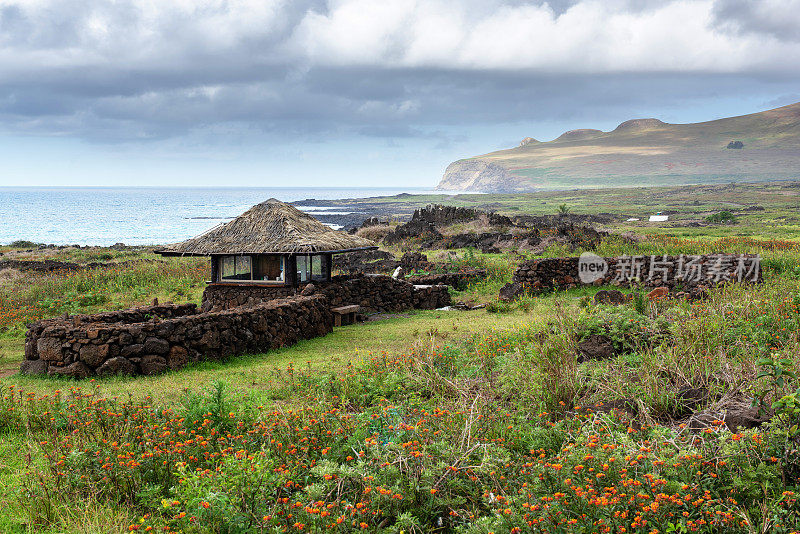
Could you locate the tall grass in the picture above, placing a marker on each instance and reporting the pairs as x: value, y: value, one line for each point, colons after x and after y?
x: 37, y: 296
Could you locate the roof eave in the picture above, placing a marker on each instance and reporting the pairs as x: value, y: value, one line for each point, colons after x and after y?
x: 175, y: 253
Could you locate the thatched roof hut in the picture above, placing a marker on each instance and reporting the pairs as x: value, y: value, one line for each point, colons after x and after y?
x: 272, y: 243
x: 272, y: 227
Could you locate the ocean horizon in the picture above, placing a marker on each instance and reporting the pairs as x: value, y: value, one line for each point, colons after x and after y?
x: 103, y: 216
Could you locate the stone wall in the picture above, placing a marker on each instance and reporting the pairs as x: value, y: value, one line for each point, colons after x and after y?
x: 235, y: 319
x: 374, y: 293
x: 687, y: 273
x: 153, y: 339
x: 458, y: 280
x: 226, y: 296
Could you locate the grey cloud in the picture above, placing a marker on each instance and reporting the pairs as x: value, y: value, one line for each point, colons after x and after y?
x: 251, y: 82
x: 780, y: 20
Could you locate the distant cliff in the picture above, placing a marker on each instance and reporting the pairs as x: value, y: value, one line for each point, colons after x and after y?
x: 477, y: 175
x: 642, y: 152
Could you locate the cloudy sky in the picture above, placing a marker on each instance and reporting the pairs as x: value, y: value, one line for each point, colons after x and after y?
x: 360, y: 92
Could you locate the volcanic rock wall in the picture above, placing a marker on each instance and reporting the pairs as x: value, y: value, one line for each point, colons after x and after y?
x: 458, y: 280
x: 374, y: 293
x: 680, y: 273
x: 153, y: 339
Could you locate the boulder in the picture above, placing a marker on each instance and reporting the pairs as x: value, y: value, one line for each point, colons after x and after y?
x: 33, y: 367
x: 129, y: 351
x: 93, y: 355
x: 309, y: 290
x: 49, y: 349
x: 117, y: 366
x: 595, y: 347
x: 743, y: 418
x: 178, y: 357
x: 73, y: 370
x: 609, y: 296
x: 511, y: 291
x: 658, y: 293
x: 154, y: 345
x: 152, y: 364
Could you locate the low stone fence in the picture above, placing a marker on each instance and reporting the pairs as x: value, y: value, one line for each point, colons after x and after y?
x: 431, y: 297
x: 373, y: 293
x: 234, y: 320
x: 689, y: 273
x: 153, y: 339
x: 218, y: 297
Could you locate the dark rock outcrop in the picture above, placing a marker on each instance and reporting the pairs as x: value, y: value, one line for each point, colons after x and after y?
x: 595, y: 347
x: 511, y: 291
x: 610, y: 296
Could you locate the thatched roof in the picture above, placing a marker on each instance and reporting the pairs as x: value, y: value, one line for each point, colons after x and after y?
x: 270, y: 227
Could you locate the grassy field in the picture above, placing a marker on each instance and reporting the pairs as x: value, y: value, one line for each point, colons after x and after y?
x: 429, y: 421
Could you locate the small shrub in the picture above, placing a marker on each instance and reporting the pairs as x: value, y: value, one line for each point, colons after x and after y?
x: 498, y: 306
x: 628, y: 329
x: 22, y: 243
x: 723, y: 217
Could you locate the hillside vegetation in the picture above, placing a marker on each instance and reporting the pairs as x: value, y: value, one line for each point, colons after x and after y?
x: 642, y: 152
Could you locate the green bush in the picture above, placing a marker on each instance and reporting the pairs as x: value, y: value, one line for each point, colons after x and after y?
x: 722, y: 217
x: 629, y: 330
x: 499, y: 306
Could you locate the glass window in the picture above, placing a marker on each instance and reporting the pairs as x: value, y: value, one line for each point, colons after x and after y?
x: 303, y: 266
x: 243, y: 267
x: 227, y: 267
x: 319, y: 267
x: 235, y: 268
x: 312, y: 267
x: 268, y: 268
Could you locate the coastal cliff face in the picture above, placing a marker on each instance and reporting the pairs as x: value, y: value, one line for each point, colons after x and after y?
x: 477, y: 175
x: 642, y: 152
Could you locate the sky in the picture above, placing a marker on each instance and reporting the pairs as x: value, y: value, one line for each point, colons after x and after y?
x: 360, y: 93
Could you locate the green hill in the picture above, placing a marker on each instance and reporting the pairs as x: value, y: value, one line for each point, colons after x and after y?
x: 642, y: 152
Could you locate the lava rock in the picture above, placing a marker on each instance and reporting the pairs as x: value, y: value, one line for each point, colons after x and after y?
x: 658, y: 293
x: 595, y: 347
x: 309, y: 290
x: 33, y: 367
x: 93, y: 355
x: 49, y: 349
x: 609, y: 296
x: 178, y: 357
x: 511, y: 291
x: 117, y: 366
x: 154, y: 345
x: 73, y: 370
x: 153, y: 364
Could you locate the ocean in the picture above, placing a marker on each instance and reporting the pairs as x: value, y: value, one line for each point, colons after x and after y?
x: 142, y: 215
